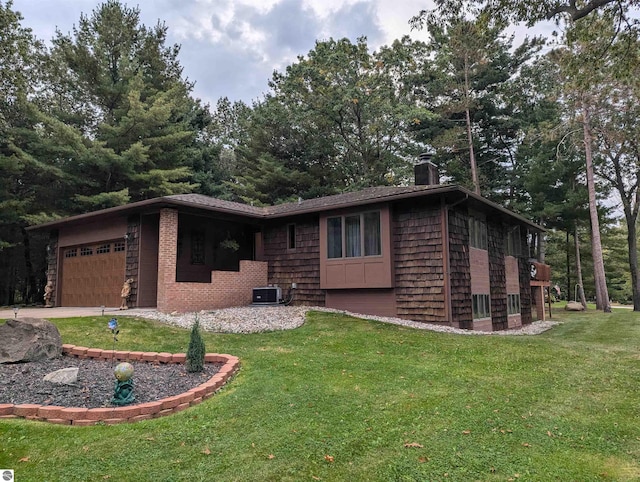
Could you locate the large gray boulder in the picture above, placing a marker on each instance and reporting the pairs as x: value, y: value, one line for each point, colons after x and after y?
x: 574, y: 306
x: 29, y: 339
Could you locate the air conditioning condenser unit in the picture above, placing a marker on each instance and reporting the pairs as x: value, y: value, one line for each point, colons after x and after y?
x: 269, y: 295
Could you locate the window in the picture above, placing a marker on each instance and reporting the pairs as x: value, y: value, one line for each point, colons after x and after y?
x: 513, y: 246
x: 118, y: 246
x: 481, y: 306
x: 477, y: 233
x: 197, y: 247
x: 291, y: 236
x: 354, y: 235
x: 513, y: 304
x: 71, y: 253
x: 334, y: 237
x: 103, y: 248
x: 86, y: 251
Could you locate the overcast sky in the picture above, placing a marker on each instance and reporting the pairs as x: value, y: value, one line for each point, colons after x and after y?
x: 231, y: 47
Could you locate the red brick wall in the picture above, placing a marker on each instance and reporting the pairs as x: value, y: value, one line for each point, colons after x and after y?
x: 227, y: 288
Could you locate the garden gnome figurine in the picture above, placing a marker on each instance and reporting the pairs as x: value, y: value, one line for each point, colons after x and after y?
x: 48, y: 294
x: 124, y: 294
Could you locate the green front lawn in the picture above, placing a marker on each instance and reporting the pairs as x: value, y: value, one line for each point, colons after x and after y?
x: 346, y: 399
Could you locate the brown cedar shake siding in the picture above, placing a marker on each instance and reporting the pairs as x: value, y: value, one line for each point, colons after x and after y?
x: 300, y: 265
x: 460, y: 269
x: 419, y: 270
x: 497, y: 275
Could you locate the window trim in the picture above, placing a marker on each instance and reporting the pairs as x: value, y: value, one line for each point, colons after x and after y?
x: 365, y: 271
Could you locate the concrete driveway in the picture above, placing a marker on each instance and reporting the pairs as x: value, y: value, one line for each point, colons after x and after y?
x: 62, y: 312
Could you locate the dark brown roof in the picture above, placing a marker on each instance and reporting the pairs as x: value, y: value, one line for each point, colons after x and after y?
x: 372, y: 195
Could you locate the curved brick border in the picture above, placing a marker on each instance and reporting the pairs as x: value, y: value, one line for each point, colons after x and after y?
x: 131, y: 413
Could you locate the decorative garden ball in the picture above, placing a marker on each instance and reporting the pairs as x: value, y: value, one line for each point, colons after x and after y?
x: 123, y: 371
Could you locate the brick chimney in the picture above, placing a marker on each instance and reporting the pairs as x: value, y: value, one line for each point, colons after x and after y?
x: 426, y: 172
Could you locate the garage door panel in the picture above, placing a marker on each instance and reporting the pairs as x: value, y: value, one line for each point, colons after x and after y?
x: 92, y: 275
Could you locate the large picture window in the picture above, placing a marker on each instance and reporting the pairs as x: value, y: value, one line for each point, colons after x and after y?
x: 354, y: 235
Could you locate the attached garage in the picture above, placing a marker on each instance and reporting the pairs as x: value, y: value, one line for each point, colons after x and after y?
x: 93, y: 274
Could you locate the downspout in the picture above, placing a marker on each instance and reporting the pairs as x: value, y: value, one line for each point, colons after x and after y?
x: 446, y: 260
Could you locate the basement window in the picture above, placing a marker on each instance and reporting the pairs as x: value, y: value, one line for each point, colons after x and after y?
x: 481, y: 306
x: 513, y: 304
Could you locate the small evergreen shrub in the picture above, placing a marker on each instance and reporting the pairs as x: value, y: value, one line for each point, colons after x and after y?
x: 196, y: 350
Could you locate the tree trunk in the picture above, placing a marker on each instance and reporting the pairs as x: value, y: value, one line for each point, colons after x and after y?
x: 602, y: 293
x: 576, y: 239
x: 633, y: 260
x: 31, y: 284
x: 472, y: 155
x: 542, y: 247
x: 568, y: 250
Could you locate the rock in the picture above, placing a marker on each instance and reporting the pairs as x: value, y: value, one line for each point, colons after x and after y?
x: 29, y: 339
x: 574, y: 306
x: 66, y: 376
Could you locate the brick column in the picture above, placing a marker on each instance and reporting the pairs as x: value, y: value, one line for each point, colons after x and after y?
x: 167, y: 255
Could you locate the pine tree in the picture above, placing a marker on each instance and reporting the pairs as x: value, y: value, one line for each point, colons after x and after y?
x: 196, y: 350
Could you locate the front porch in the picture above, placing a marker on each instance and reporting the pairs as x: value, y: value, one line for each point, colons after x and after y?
x: 181, y: 285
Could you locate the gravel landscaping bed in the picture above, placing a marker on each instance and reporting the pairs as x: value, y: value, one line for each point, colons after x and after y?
x: 255, y: 319
x: 23, y: 382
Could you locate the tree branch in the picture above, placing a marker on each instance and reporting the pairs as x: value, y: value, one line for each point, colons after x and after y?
x: 575, y: 12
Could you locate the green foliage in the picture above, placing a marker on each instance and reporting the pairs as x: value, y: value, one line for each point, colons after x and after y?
x: 384, y: 402
x: 337, y: 119
x: 196, y: 350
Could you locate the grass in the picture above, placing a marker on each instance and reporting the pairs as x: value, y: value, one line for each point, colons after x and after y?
x: 347, y: 399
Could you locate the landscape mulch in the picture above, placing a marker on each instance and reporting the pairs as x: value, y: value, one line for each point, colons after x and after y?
x: 22, y: 383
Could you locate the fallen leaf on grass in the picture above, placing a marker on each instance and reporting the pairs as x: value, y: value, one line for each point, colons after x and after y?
x: 150, y: 439
x: 271, y: 457
x: 549, y: 433
x: 466, y: 432
x: 526, y: 445
x: 24, y: 459
x: 206, y: 451
x: 106, y: 477
x: 315, y: 478
x: 422, y: 460
x: 413, y: 445
x: 329, y: 458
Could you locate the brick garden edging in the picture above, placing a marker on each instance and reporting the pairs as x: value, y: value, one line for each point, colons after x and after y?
x: 131, y: 413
